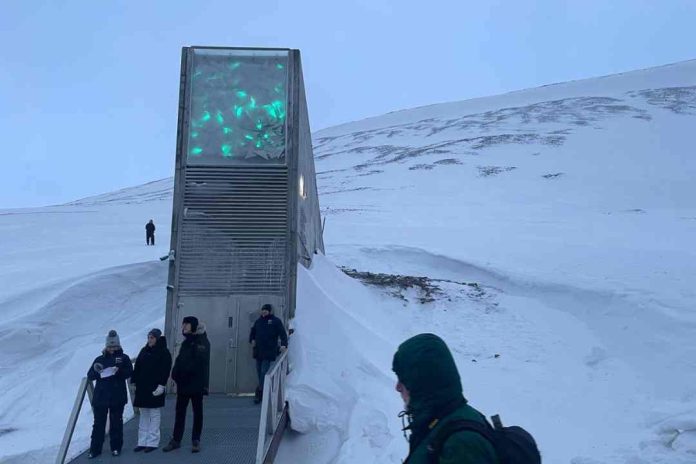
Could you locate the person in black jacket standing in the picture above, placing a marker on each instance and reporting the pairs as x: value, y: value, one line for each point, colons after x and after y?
x: 264, y: 337
x: 191, y: 373
x: 150, y: 232
x: 110, y: 370
x: 150, y: 378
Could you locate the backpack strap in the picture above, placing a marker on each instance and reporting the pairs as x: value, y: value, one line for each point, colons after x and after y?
x: 452, y: 427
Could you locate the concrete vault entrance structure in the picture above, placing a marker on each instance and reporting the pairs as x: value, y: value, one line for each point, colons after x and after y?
x: 246, y: 208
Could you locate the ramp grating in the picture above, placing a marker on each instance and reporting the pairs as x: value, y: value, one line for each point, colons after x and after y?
x: 230, y: 434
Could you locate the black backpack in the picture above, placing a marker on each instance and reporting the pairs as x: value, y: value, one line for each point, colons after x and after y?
x: 513, y: 445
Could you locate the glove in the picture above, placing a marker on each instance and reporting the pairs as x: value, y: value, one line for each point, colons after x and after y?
x: 159, y: 390
x: 98, y: 368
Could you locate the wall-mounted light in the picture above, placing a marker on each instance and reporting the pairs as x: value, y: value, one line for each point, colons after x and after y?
x: 303, y: 189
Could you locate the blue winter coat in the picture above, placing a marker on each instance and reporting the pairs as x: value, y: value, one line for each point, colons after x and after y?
x: 111, y: 391
x: 266, y: 331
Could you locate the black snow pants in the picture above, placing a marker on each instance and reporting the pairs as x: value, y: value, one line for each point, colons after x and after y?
x: 115, y: 414
x: 182, y: 402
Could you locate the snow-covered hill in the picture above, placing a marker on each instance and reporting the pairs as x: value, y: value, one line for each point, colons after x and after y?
x: 557, y: 224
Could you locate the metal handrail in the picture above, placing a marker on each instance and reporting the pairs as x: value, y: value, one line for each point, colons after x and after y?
x: 86, y: 386
x: 272, y: 405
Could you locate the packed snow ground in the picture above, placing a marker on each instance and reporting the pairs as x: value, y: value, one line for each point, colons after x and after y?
x: 573, y: 207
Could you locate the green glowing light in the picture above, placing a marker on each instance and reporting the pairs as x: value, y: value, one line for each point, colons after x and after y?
x: 276, y: 110
x: 237, y: 116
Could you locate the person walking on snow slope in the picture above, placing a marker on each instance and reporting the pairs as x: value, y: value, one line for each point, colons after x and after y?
x: 150, y: 233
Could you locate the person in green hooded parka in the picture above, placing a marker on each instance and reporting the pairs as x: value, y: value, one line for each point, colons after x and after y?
x: 431, y: 388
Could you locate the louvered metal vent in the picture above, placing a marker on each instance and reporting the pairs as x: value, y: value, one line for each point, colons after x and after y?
x: 234, y: 231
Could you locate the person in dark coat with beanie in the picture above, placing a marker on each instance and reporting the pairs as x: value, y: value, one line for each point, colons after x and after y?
x: 191, y: 373
x: 265, y: 334
x: 110, y: 370
x: 150, y: 378
x: 429, y: 383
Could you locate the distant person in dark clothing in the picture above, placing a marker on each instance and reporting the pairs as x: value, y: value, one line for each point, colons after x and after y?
x: 264, y: 337
x: 191, y: 373
x: 110, y: 370
x: 150, y: 233
x: 150, y: 378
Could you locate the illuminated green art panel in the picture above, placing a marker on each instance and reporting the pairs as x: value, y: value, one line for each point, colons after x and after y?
x: 238, y: 107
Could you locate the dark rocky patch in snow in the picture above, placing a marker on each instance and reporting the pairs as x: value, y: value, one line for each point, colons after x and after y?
x: 429, y: 290
x: 681, y: 100
x: 447, y: 161
x: 421, y: 167
x: 487, y: 171
x: 555, y: 175
x: 5, y: 431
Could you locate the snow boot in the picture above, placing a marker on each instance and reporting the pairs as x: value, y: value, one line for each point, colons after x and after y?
x: 173, y: 444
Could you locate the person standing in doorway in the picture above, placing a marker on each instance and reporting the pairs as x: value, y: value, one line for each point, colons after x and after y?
x: 150, y: 378
x: 110, y: 370
x: 265, y: 334
x: 150, y: 233
x: 191, y: 373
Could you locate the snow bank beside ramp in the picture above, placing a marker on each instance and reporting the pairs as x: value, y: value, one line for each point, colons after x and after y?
x: 341, y: 354
x: 49, y: 349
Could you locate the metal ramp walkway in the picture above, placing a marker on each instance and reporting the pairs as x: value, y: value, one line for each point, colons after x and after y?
x: 235, y: 430
x: 230, y: 435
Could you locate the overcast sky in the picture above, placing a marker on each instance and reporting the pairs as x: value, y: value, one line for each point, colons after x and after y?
x: 88, y: 89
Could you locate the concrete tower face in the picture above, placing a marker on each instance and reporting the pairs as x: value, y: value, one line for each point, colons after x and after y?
x: 243, y: 149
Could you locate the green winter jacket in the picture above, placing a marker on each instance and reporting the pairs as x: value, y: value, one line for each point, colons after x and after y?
x: 424, y: 365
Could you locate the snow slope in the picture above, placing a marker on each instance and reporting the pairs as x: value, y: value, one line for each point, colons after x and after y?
x: 572, y: 207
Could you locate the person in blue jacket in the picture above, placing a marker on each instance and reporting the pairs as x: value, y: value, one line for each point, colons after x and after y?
x: 110, y: 370
x: 265, y: 334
